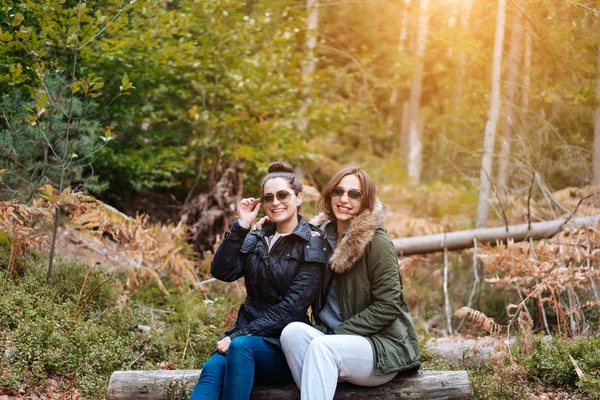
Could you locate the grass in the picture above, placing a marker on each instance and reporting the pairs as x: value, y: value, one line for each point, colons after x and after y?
x: 42, y: 339
x: 44, y: 342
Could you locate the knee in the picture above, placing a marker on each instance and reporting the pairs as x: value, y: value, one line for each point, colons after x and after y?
x: 320, y: 346
x: 215, y: 364
x: 240, y: 344
x: 290, y: 332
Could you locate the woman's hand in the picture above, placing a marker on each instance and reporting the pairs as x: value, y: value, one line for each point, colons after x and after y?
x: 261, y: 223
x: 248, y: 209
x: 223, y: 345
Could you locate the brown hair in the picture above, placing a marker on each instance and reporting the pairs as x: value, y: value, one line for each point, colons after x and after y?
x: 280, y: 169
x: 367, y: 185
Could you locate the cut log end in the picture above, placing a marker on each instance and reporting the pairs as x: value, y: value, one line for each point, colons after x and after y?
x: 175, y: 385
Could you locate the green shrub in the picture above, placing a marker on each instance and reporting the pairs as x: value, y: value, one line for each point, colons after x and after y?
x: 41, y: 336
x: 550, y: 363
x: 490, y: 383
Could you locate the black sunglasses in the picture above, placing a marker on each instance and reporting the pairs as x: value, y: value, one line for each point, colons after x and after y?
x: 353, y: 194
x: 283, y: 196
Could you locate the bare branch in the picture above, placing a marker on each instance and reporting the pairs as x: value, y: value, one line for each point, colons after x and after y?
x: 529, y: 199
x: 119, y: 11
x: 579, y: 203
x: 67, y: 132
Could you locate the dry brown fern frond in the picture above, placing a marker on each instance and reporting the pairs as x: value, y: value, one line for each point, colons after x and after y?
x: 525, y: 325
x: 409, y: 264
x: 153, y: 250
x: 564, y: 263
x: 482, y: 321
x: 16, y: 228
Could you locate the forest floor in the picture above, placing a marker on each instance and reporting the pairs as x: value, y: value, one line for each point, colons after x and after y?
x: 90, y: 249
x: 467, y: 352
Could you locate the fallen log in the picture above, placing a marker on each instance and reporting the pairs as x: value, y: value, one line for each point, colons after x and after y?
x: 178, y: 384
x: 464, y: 239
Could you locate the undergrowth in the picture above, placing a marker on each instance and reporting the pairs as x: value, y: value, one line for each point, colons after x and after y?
x: 51, y: 332
x: 545, y: 369
x: 551, y: 365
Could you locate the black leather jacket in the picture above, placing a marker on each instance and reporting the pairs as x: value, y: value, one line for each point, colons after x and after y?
x: 281, y: 285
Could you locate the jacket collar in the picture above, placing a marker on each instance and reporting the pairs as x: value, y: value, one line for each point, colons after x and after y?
x: 358, y: 236
x: 301, y: 230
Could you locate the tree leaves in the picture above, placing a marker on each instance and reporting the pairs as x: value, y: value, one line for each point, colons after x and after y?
x: 125, y: 85
x: 17, y: 20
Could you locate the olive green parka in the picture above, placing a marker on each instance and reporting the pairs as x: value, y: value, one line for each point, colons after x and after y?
x: 369, y: 290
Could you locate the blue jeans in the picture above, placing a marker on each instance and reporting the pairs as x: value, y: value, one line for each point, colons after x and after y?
x: 231, y: 376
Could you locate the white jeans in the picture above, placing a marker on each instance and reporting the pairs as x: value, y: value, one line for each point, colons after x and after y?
x: 319, y: 361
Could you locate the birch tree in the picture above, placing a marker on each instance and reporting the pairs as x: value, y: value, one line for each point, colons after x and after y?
x: 526, y: 73
x: 464, y: 26
x: 309, y: 65
x: 596, y: 156
x: 490, y: 126
x: 512, y: 77
x: 415, y: 145
x: 403, y: 108
x: 401, y: 45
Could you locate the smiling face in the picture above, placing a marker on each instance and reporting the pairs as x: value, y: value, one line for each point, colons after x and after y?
x: 344, y: 208
x: 284, y: 214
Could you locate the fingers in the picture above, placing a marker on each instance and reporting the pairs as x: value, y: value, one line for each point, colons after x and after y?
x: 261, y: 223
x: 223, y: 345
x: 248, y: 203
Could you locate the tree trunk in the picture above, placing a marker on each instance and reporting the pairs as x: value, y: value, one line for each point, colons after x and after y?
x: 309, y: 65
x: 462, y: 57
x: 490, y: 127
x: 415, y: 146
x: 464, y: 239
x: 210, y: 214
x: 526, y: 74
x: 512, y: 77
x: 404, y: 127
x: 596, y: 160
x: 177, y: 385
x: 401, y: 47
x: 452, y: 17
x: 396, y: 90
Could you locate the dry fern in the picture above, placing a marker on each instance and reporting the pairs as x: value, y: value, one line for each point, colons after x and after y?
x: 16, y: 228
x: 550, y: 270
x: 480, y: 320
x: 152, y: 251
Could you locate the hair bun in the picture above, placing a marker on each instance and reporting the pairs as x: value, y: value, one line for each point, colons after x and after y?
x: 280, y: 166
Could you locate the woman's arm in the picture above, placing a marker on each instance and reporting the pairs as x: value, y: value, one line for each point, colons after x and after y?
x: 292, y: 306
x: 228, y: 262
x: 386, y: 291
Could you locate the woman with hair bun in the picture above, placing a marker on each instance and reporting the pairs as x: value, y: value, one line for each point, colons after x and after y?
x: 282, y: 265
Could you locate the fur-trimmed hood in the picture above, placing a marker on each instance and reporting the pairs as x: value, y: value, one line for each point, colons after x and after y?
x: 359, y: 235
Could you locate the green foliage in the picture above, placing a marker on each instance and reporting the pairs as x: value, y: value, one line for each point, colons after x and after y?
x: 42, y: 337
x: 225, y: 77
x: 45, y: 339
x: 32, y: 141
x: 490, y: 383
x: 550, y: 363
x: 49, y: 127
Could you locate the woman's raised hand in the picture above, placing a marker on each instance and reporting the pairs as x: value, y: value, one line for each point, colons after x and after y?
x: 248, y: 209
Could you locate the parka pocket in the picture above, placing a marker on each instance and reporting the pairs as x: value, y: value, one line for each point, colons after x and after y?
x: 396, y: 329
